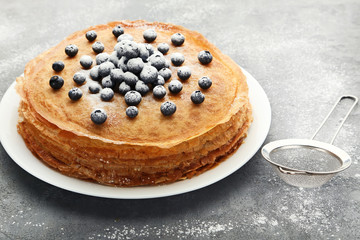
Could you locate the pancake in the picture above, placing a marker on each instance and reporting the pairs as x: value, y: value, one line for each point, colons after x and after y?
x: 150, y: 148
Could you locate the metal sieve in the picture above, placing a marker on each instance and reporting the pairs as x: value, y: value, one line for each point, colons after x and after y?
x: 301, y: 154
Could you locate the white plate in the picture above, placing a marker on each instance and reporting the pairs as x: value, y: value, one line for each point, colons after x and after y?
x: 17, y: 150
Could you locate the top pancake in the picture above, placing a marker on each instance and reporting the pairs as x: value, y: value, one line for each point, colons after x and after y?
x: 226, y: 96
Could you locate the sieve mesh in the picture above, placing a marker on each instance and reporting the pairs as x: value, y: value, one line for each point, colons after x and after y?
x: 305, y: 159
x: 304, y: 180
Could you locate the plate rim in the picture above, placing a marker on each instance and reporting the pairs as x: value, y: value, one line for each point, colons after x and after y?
x: 142, y: 192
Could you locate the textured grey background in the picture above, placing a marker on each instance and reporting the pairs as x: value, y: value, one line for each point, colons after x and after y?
x: 303, y: 53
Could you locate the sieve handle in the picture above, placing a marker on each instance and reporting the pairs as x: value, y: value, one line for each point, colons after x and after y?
x: 291, y: 171
x: 355, y: 99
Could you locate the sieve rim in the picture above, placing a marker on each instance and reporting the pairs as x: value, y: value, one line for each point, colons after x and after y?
x: 340, y: 154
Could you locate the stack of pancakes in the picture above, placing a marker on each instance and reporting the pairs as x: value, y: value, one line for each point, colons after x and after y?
x: 151, y: 148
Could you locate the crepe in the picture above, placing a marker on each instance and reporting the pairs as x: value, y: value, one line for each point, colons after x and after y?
x: 151, y: 148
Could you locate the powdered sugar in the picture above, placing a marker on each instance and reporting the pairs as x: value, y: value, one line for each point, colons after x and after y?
x: 184, y: 229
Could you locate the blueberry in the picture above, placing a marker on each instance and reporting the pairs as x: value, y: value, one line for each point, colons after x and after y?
x: 91, y: 35
x: 125, y: 37
x: 167, y: 63
x: 58, y: 66
x: 124, y: 88
x: 132, y: 98
x: 159, y: 81
x: 102, y: 57
x: 98, y: 47
x: 56, y: 82
x: 117, y: 31
x: 71, y: 50
x: 175, y: 86
x: 197, y: 97
x: 150, y: 49
x: 135, y: 65
x: 205, y: 82
x: 163, y: 48
x: 75, y: 94
x: 98, y: 116
x: 177, y: 59
x: 113, y: 58
x: 130, y: 79
x: 106, y: 94
x: 120, y: 50
x: 86, y: 61
x: 149, y: 35
x: 105, y: 68
x: 132, y: 111
x: 94, y: 73
x: 107, y: 83
x: 149, y: 74
x: 118, y: 45
x: 177, y: 39
x: 165, y: 73
x: 184, y: 73
x: 143, y: 52
x: 122, y: 64
x: 116, y: 75
x: 131, y: 50
x: 205, y: 57
x: 159, y: 91
x: 157, y: 60
x: 168, y: 108
x: 142, y: 88
x: 79, y: 78
x: 94, y: 87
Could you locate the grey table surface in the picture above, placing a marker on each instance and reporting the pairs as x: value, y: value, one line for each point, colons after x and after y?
x: 304, y: 54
